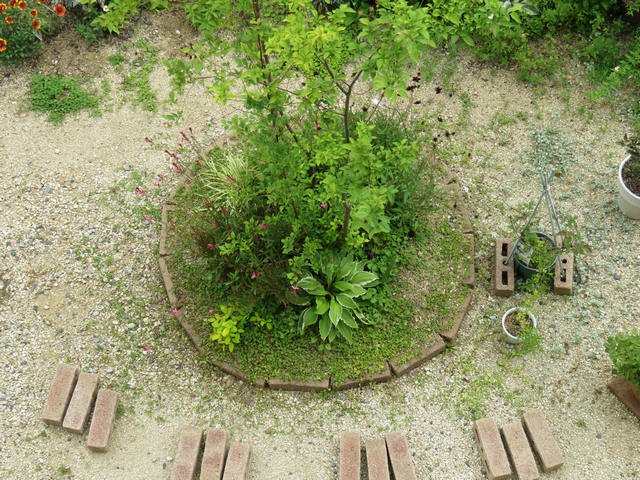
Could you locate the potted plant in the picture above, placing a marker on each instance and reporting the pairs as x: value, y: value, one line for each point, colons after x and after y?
x: 516, y: 323
x: 629, y: 178
x: 535, y: 252
x: 624, y: 351
x: 519, y: 324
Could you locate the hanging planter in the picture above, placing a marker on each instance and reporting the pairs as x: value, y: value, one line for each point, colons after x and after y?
x: 514, y: 321
x: 535, y: 252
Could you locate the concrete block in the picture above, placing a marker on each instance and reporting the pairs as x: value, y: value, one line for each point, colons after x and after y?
x: 545, y: 446
x: 184, y: 467
x: 237, y: 462
x: 60, y: 393
x: 452, y: 333
x: 469, y: 266
x: 621, y: 388
x: 504, y: 275
x: 350, y: 456
x: 520, y: 452
x: 494, y: 458
x: 377, y: 460
x: 299, y: 385
x: 383, y: 376
x: 563, y: 278
x: 400, y: 369
x: 400, y: 456
x: 162, y: 250
x: 104, y: 417
x: 75, y: 421
x: 215, y: 452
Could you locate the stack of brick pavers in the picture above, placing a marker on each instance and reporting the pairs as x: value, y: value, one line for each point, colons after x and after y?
x: 70, y: 401
x: 216, y: 463
x: 378, y: 454
x: 494, y: 456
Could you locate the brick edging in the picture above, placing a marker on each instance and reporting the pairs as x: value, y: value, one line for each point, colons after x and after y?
x: 328, y: 383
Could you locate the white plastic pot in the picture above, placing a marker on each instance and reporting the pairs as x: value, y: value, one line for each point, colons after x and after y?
x: 511, y: 338
x: 628, y: 202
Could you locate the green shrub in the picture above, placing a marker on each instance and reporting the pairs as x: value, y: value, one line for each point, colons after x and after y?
x: 59, y: 96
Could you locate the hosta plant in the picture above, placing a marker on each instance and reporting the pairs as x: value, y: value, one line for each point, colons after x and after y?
x: 334, y: 296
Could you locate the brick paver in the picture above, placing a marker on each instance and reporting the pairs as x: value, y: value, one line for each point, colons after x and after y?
x: 186, y: 461
x: 299, y: 385
x: 81, y: 403
x: 520, y: 452
x: 350, y: 456
x: 621, y: 388
x: 377, y: 459
x: 452, y: 333
x: 237, y: 462
x: 400, y: 369
x: 492, y: 453
x: 60, y: 393
x: 104, y: 417
x: 545, y: 446
x: 215, y: 451
x: 400, y: 456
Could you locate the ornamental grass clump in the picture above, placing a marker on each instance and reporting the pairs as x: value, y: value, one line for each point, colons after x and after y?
x: 22, y: 26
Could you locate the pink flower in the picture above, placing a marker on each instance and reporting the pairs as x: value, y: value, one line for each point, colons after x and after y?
x: 147, y: 218
x: 147, y: 348
x: 175, y: 310
x: 210, y: 246
x: 139, y: 191
x: 178, y: 144
x: 210, y: 310
x: 176, y: 155
x: 176, y: 168
x: 199, y: 162
x: 255, y: 275
x: 294, y: 288
x: 213, y: 224
x: 230, y: 179
x: 324, y: 205
x: 317, y: 127
x: 224, y: 209
x: 263, y: 226
x: 157, y: 184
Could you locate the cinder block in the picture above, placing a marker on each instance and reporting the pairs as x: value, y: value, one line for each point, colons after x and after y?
x: 350, y: 456
x: 504, y: 274
x: 299, y: 385
x: 400, y: 456
x: 215, y: 451
x: 494, y: 458
x: 186, y: 461
x: 452, y: 333
x: 60, y: 393
x: 563, y: 278
x: 104, y: 417
x: 162, y: 250
x: 377, y: 461
x: 425, y: 354
x: 469, y: 268
x: 75, y: 421
x: 520, y: 452
x: 383, y: 376
x: 545, y: 446
x: 237, y: 462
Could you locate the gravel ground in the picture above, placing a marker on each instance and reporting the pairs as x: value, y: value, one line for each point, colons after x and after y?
x: 80, y: 284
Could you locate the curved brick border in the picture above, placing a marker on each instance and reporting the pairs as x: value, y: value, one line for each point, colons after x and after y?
x: 424, y: 354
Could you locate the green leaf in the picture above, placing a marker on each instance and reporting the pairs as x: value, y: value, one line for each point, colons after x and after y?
x: 362, y: 278
x: 348, y: 319
x: 345, y: 330
x: 346, y: 301
x: 332, y: 333
x: 310, y: 317
x: 325, y: 326
x: 356, y: 291
x: 322, y: 305
x: 343, y: 286
x: 309, y: 284
x: 300, y: 298
x: 335, y: 311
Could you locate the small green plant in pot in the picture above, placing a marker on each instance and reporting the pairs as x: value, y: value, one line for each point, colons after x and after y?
x: 535, y: 252
x: 334, y: 295
x: 624, y: 351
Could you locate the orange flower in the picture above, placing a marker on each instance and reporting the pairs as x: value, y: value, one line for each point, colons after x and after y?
x: 3, y: 7
x: 34, y: 13
x: 9, y: 20
x: 35, y: 24
x: 3, y: 45
x: 12, y: 3
x: 22, y: 5
x: 59, y: 9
